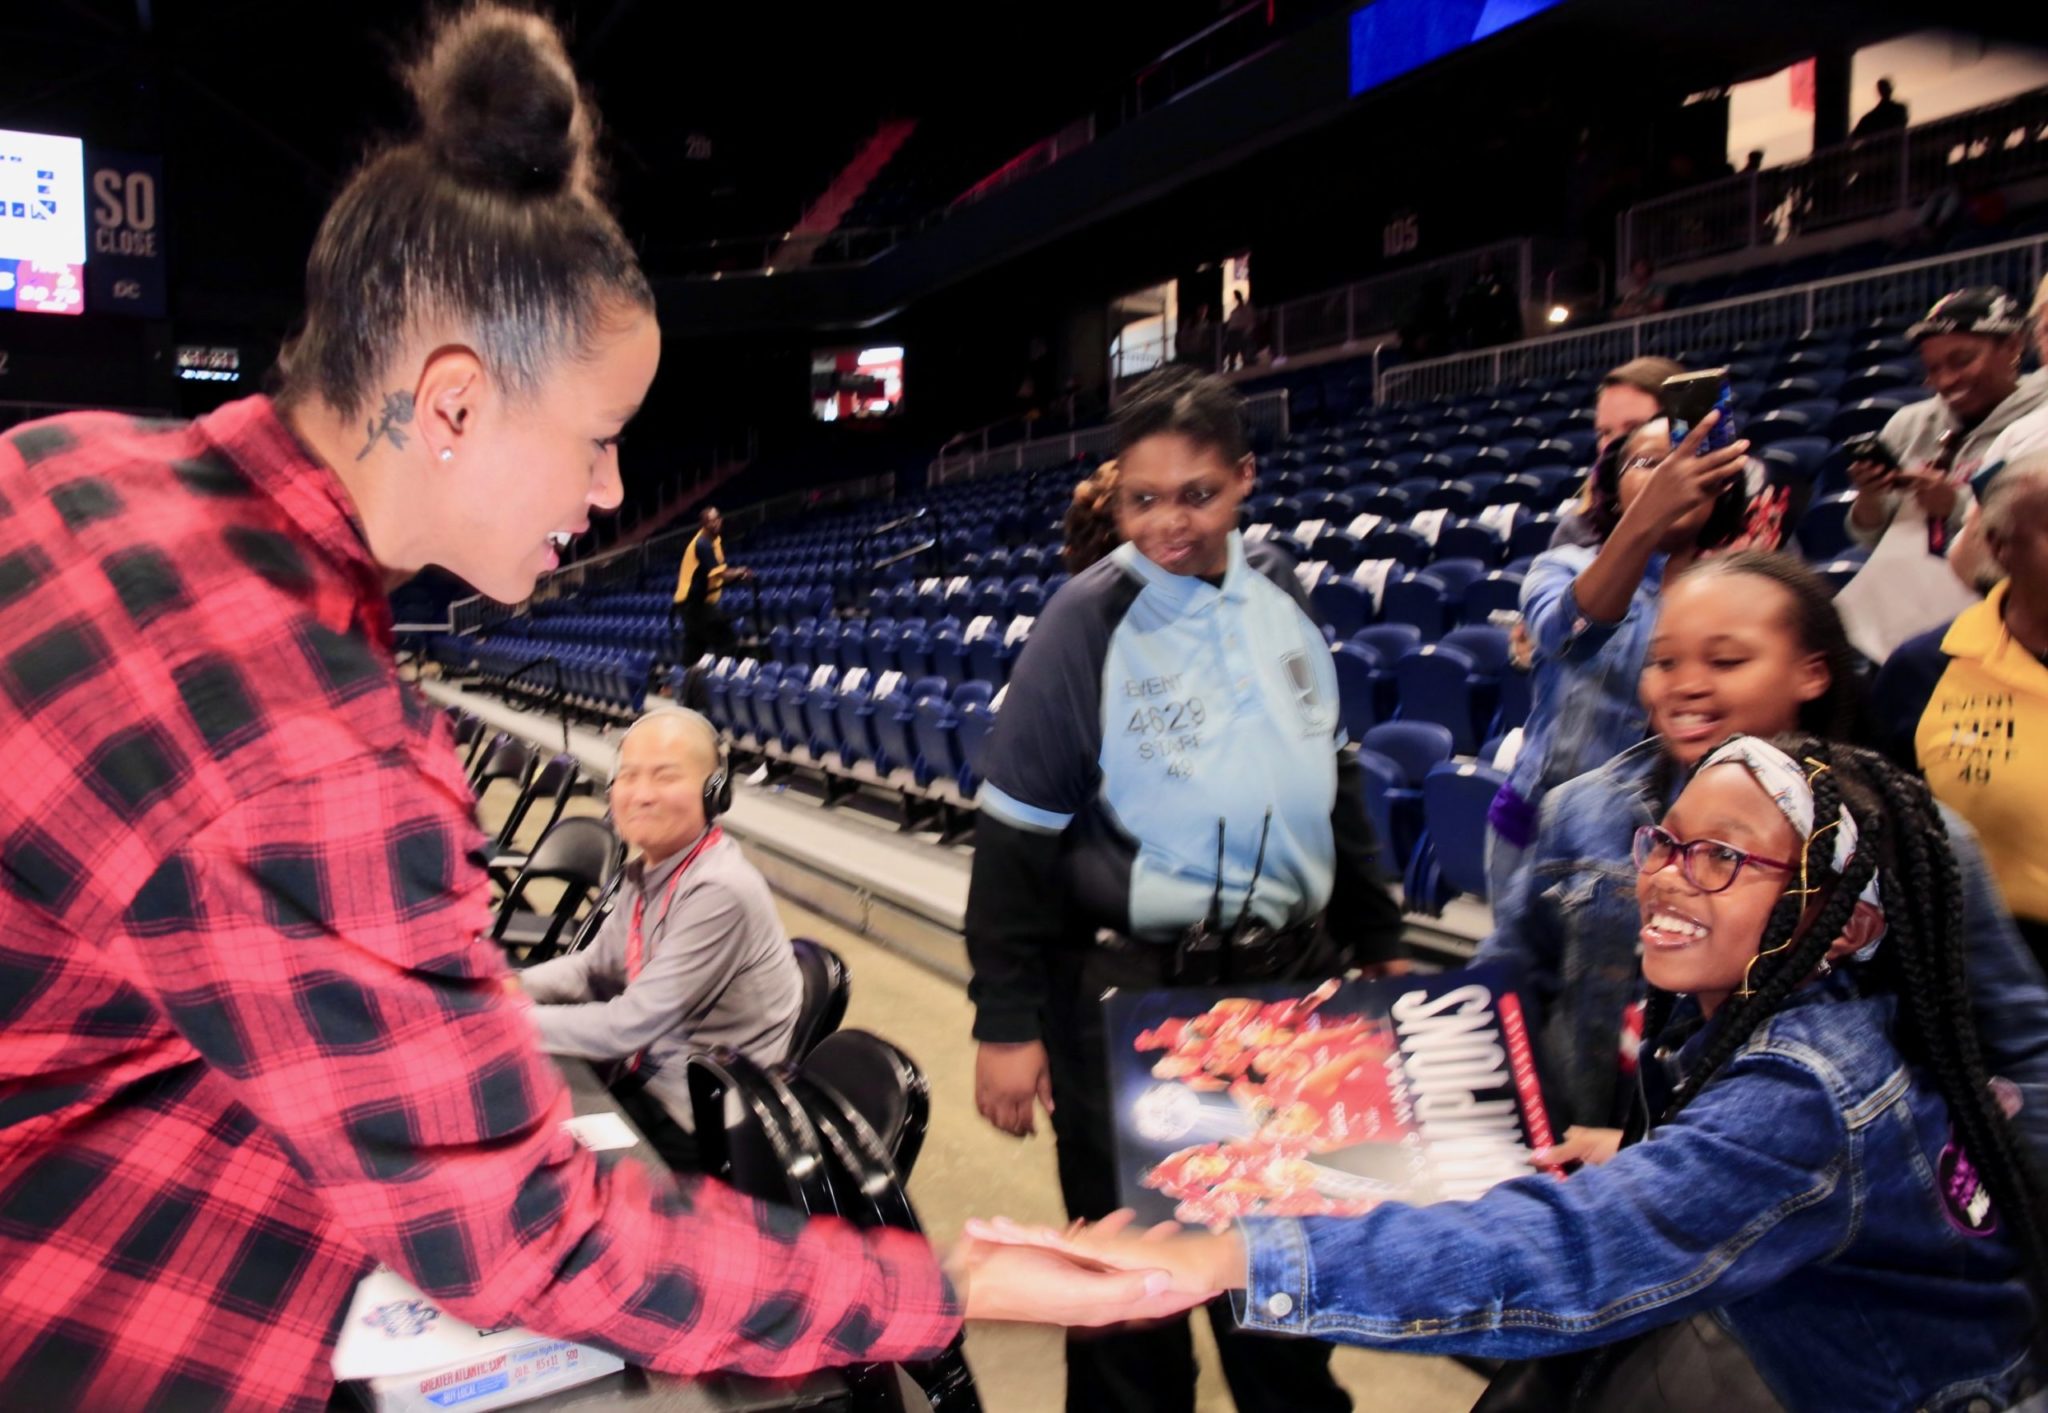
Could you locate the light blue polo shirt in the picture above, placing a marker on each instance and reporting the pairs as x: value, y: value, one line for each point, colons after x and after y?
x: 1146, y: 707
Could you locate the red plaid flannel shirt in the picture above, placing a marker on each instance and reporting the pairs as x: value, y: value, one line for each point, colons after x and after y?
x: 249, y: 1039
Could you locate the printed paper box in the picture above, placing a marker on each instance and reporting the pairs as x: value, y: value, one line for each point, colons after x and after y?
x: 414, y: 1357
x: 1277, y: 1099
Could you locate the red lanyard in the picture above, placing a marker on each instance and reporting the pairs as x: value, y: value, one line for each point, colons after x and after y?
x: 636, y: 943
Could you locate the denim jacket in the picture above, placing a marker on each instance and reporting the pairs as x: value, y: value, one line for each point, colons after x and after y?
x: 1583, y: 707
x: 1795, y: 1199
x: 1570, y: 929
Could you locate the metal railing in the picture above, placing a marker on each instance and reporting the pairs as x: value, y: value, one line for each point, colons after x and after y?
x: 1847, y: 302
x: 1358, y: 315
x: 1857, y: 181
x: 1266, y: 414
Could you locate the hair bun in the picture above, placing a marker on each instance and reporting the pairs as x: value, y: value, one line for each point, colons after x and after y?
x: 499, y: 103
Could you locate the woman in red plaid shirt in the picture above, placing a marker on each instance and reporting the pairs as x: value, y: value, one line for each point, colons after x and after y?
x: 250, y: 1043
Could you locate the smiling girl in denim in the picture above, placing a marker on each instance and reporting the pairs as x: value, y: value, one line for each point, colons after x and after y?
x: 1827, y: 1208
x: 1750, y: 645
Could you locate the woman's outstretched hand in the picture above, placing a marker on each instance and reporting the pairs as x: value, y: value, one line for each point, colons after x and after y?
x: 1197, y: 1266
x: 1041, y: 1283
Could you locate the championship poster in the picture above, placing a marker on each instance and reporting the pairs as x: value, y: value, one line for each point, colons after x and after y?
x: 1276, y: 1099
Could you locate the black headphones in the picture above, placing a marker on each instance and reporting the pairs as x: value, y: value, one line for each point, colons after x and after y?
x: 717, y: 789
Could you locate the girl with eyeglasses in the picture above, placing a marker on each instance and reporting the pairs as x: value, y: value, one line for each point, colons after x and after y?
x: 1747, y: 643
x: 1824, y: 1205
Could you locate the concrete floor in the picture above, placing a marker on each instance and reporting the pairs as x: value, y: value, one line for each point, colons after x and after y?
x: 968, y: 1169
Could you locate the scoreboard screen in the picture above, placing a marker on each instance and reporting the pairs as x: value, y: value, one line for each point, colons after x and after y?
x: 42, y: 223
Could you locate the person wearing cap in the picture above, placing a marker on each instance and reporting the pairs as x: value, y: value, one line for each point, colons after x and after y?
x: 1971, y: 556
x: 693, y: 956
x: 1971, y: 343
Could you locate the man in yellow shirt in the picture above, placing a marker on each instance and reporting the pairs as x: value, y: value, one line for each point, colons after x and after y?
x: 1968, y: 704
x: 698, y: 587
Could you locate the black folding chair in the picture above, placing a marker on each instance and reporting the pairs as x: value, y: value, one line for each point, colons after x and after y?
x: 557, y: 782
x: 480, y: 742
x: 509, y: 758
x: 752, y: 1132
x: 877, y: 1081
x: 579, y: 853
x: 826, y: 987
x: 870, y: 1194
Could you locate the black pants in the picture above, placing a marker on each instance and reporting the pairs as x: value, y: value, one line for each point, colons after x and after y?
x: 705, y: 630
x: 1150, y: 1370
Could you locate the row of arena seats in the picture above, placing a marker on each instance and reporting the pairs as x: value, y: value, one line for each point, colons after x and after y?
x: 877, y: 727
x: 604, y: 683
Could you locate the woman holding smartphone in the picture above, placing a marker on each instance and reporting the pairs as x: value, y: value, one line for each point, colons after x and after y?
x: 1587, y: 604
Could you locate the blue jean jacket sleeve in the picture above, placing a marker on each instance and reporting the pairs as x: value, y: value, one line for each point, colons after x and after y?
x: 1557, y: 625
x: 2007, y: 992
x: 1749, y: 1183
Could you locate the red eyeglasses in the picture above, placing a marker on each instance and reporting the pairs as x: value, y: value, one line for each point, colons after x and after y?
x: 1708, y: 864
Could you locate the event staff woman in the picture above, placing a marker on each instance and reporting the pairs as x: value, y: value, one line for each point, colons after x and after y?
x: 1174, y: 701
x: 252, y: 1043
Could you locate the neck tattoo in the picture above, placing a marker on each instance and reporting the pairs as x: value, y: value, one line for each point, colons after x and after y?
x: 385, y: 426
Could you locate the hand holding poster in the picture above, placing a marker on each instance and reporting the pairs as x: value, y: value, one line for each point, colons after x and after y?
x: 1269, y: 1100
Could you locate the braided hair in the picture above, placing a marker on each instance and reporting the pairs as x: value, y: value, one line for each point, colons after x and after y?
x: 1841, y: 713
x: 1903, y: 840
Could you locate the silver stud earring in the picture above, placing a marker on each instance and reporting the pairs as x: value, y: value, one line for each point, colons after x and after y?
x: 447, y: 453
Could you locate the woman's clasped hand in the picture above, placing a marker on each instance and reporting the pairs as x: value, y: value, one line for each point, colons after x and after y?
x: 1085, y: 1276
x: 1017, y: 1271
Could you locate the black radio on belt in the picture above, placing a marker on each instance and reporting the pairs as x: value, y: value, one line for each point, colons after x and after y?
x: 1208, y: 953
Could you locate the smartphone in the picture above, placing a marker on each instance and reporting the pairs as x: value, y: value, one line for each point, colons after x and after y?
x: 1871, y: 449
x: 1691, y: 396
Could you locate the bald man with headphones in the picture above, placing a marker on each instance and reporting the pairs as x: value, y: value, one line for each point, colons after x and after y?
x: 693, y: 956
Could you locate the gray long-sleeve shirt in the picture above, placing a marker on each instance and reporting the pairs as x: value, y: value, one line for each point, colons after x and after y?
x: 718, y: 970
x: 1916, y: 434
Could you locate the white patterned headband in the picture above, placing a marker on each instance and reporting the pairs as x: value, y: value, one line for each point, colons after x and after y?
x: 1790, y: 786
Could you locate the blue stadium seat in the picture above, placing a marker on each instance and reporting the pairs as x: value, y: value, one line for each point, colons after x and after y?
x: 1393, y: 809
x: 1864, y: 418
x: 790, y: 699
x: 977, y: 707
x: 1468, y: 539
x: 820, y: 719
x: 1410, y: 749
x: 893, y: 715
x: 1362, y: 684
x: 1881, y: 380
x: 1498, y: 592
x: 1344, y: 604
x: 753, y: 701
x: 1531, y: 537
x: 1458, y: 497
x: 1397, y: 543
x: 1441, y: 683
x: 1420, y: 600
x: 1414, y: 746
x: 1455, y: 800
x: 1824, y: 530
x: 853, y: 706
x: 1487, y: 644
